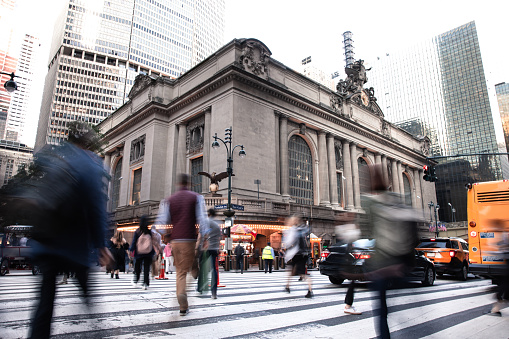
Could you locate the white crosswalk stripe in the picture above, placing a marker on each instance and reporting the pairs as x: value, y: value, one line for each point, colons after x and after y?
x: 251, y: 305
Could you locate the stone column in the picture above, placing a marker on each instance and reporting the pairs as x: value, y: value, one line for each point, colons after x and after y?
x: 181, y: 147
x: 283, y: 154
x: 207, y: 145
x: 415, y: 200
x: 395, y: 177
x: 400, y: 178
x: 277, y: 150
x: 323, y: 169
x: 378, y: 159
x: 333, y: 185
x: 385, y: 172
x: 347, y: 172
x: 355, y: 175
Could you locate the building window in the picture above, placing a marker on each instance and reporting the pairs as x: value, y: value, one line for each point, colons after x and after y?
x: 364, y: 177
x: 135, y: 199
x: 115, y: 189
x: 196, y: 166
x: 300, y: 171
x: 137, y: 149
x: 408, y: 190
x: 339, y: 180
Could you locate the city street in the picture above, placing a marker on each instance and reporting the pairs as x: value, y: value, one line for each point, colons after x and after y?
x: 252, y: 305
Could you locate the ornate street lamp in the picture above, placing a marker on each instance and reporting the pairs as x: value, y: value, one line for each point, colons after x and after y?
x: 10, y: 85
x: 229, y: 166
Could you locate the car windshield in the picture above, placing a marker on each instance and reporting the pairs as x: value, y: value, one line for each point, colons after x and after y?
x: 434, y: 244
x: 364, y: 243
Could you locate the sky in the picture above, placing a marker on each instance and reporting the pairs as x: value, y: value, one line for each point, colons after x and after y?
x: 295, y: 29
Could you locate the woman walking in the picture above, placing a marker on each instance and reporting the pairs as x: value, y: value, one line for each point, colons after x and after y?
x: 144, y: 247
x: 118, y: 247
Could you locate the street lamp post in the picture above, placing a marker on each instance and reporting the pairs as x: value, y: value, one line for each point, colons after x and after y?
x: 453, y: 211
x: 10, y: 85
x: 437, y: 207
x: 227, y: 142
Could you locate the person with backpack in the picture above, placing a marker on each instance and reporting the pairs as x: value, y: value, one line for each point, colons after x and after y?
x: 144, y: 246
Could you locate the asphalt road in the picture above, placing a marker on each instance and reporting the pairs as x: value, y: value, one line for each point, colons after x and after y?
x: 253, y: 305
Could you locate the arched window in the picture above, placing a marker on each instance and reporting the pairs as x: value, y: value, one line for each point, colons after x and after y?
x: 300, y: 171
x: 408, y: 190
x: 115, y: 189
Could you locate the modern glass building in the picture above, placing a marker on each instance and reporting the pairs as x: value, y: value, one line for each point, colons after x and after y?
x: 502, y: 91
x: 99, y: 47
x: 437, y: 88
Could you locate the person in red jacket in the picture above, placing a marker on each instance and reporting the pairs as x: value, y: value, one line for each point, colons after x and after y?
x: 184, y: 209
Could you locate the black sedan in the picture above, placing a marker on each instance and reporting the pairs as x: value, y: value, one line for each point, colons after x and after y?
x: 339, y: 261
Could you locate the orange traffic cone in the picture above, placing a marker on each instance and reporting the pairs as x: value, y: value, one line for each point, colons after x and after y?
x: 161, y: 271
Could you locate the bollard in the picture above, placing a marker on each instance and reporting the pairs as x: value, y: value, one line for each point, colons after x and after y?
x: 276, y: 263
x: 260, y: 263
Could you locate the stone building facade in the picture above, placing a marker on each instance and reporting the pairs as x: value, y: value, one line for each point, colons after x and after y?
x: 307, y: 146
x: 13, y: 156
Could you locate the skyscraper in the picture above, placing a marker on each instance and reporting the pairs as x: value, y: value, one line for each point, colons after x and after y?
x: 502, y: 91
x: 99, y: 47
x: 438, y: 88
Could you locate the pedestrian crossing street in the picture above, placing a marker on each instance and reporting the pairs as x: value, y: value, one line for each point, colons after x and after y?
x: 252, y: 305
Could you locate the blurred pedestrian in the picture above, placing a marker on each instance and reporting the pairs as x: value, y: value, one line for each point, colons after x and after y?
x: 296, y: 253
x: 239, y: 257
x: 183, y: 210
x: 118, y: 247
x: 501, y: 228
x: 268, y: 257
x: 68, y: 206
x: 394, y: 228
x: 202, y: 246
x: 213, y: 235
x: 168, y: 257
x: 156, y: 260
x: 144, y: 246
x: 348, y: 232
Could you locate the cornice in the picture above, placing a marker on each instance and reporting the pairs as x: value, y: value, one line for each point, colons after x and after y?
x: 234, y: 73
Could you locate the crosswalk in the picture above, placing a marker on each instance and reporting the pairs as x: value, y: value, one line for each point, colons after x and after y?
x: 252, y: 305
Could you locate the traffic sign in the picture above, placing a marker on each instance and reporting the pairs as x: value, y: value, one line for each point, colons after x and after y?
x: 221, y: 207
x: 238, y: 207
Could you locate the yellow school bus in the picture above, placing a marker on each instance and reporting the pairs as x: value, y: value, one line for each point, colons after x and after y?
x: 488, y: 227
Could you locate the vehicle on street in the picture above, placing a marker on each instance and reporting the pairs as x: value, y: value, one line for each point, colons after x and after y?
x: 15, y: 250
x: 488, y: 227
x: 450, y: 255
x: 355, y: 261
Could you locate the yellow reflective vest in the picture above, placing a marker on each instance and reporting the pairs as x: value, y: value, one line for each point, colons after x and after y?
x: 267, y: 253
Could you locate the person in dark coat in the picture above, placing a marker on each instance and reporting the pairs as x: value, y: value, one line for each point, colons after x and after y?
x: 118, y: 247
x: 239, y: 256
x: 70, y: 218
x: 141, y: 257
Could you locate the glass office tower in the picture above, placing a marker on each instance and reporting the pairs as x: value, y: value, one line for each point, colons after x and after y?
x: 99, y: 47
x: 502, y: 91
x: 437, y: 88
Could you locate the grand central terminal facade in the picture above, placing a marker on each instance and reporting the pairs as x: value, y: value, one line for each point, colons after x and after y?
x: 308, y: 148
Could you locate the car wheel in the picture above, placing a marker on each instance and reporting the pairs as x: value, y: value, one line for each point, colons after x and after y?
x: 4, y: 267
x: 335, y: 280
x: 464, y: 272
x: 429, y: 277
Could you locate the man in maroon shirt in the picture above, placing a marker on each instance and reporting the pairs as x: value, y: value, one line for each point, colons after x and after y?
x: 184, y: 210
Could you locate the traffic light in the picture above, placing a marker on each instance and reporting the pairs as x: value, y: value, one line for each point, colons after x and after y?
x: 226, y: 231
x: 433, y: 175
x: 426, y: 176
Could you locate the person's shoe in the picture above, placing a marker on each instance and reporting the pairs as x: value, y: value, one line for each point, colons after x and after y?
x: 135, y: 284
x: 144, y: 286
x: 63, y: 282
x: 213, y: 296
x: 116, y: 276
x: 495, y: 314
x: 352, y: 310
x: 287, y: 289
x: 309, y: 295
x: 300, y: 279
x: 184, y: 312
